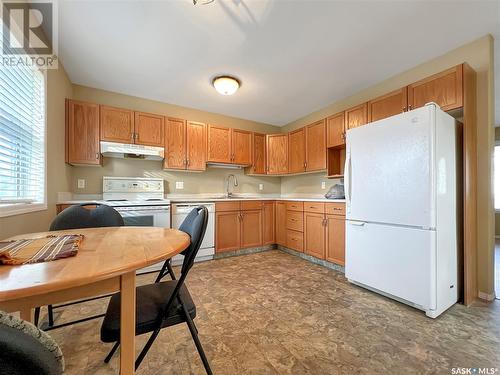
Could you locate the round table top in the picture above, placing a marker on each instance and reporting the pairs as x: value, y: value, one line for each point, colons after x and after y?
x: 104, y: 253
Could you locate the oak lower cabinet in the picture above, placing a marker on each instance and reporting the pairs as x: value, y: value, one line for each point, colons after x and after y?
x: 251, y: 228
x: 227, y: 231
x: 268, y: 223
x: 314, y: 230
x: 335, y: 239
x: 281, y: 223
x: 82, y: 133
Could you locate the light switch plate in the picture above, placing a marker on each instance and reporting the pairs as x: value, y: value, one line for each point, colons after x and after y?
x: 81, y: 183
x: 179, y: 185
x: 323, y: 185
x: 261, y: 186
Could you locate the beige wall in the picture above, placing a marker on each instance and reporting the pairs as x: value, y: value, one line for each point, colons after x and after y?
x: 58, y: 173
x: 211, y: 181
x: 145, y: 105
x: 479, y: 55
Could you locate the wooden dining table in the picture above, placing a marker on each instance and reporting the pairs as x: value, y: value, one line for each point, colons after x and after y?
x: 105, y: 263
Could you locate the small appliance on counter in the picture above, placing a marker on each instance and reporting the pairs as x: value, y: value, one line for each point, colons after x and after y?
x: 336, y: 191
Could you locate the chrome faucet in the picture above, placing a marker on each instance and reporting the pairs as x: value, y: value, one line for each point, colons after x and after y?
x: 235, y: 182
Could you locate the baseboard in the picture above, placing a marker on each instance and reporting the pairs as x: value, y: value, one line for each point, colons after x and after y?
x: 486, y: 296
x: 249, y: 250
x: 312, y: 259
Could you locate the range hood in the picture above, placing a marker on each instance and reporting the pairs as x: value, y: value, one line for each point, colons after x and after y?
x: 226, y: 166
x: 128, y: 151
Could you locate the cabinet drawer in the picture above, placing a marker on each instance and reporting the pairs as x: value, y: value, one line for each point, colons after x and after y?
x: 295, y: 206
x: 314, y: 207
x: 295, y: 220
x: 227, y: 206
x: 251, y: 205
x: 335, y: 209
x: 295, y: 240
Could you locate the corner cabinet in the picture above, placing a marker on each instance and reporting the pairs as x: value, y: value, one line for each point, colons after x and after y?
x: 82, y: 133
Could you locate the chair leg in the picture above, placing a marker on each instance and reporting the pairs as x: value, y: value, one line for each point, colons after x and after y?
x: 51, y: 315
x: 36, y: 318
x: 112, y: 351
x: 162, y: 271
x: 145, y: 350
x: 194, y: 334
x: 170, y: 270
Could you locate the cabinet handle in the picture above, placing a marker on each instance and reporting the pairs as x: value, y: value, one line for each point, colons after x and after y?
x: 97, y: 155
x: 409, y: 107
x: 404, y: 109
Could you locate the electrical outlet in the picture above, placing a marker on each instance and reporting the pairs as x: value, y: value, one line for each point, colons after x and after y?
x: 261, y: 186
x: 81, y: 183
x: 179, y: 185
x: 323, y: 185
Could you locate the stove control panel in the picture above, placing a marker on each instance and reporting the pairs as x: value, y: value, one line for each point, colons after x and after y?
x: 132, y: 185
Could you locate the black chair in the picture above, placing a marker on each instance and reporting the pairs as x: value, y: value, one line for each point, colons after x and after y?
x: 163, y: 304
x: 77, y: 217
x: 24, y: 349
x: 167, y: 266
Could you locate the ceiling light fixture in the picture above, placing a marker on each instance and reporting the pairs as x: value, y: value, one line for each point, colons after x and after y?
x: 202, y: 2
x: 226, y: 85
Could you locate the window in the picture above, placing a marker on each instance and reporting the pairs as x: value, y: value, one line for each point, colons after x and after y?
x: 22, y: 141
x: 496, y: 174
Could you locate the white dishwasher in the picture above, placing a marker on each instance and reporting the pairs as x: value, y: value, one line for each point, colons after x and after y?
x: 207, y: 249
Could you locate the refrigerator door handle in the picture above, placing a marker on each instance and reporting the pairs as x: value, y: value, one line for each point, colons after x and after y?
x: 347, y: 180
x: 357, y: 223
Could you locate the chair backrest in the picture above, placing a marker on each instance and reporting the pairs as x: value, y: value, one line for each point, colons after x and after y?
x: 77, y: 216
x: 24, y: 349
x: 195, y: 225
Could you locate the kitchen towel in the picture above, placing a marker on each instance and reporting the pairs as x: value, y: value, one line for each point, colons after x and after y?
x: 39, y: 250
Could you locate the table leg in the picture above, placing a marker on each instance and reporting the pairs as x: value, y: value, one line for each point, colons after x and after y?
x: 127, y: 323
x: 25, y: 314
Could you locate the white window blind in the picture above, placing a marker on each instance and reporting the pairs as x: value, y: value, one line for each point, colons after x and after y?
x: 22, y: 137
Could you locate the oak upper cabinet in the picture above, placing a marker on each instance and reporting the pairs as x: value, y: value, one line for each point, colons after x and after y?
x: 268, y: 223
x: 297, y: 151
x: 219, y: 144
x: 445, y: 89
x: 388, y: 105
x: 259, y: 154
x: 335, y: 239
x: 185, y: 145
x: 335, y: 130
x: 251, y: 228
x: 277, y: 153
x: 175, y: 144
x: 196, y: 139
x: 356, y: 116
x: 82, y: 133
x: 241, y: 147
x: 280, y: 223
x: 149, y: 129
x: 316, y: 146
x: 314, y: 234
x: 117, y: 124
x: 228, y: 231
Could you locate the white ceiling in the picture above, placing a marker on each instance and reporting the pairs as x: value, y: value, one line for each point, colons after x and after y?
x: 293, y: 57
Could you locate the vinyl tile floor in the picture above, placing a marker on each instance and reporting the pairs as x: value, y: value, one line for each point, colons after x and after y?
x: 274, y: 313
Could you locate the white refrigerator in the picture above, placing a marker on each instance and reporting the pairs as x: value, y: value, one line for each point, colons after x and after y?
x: 401, y: 208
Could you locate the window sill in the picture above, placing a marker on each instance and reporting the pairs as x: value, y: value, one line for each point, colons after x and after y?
x: 18, y: 209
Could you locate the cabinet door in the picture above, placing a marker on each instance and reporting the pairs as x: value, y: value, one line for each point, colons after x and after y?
x: 259, y: 154
x: 388, y: 105
x: 277, y: 153
x: 241, y: 147
x: 175, y: 144
x: 82, y: 129
x: 117, y: 124
x: 251, y: 228
x: 196, y: 135
x: 227, y: 231
x: 335, y: 239
x: 297, y: 151
x: 316, y: 146
x: 314, y: 234
x: 268, y: 223
x: 219, y: 144
x: 335, y: 130
x: 280, y: 223
x: 445, y: 89
x: 149, y: 129
x: 356, y: 116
